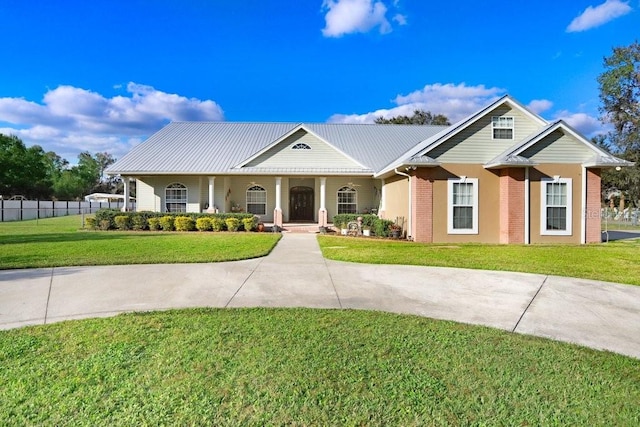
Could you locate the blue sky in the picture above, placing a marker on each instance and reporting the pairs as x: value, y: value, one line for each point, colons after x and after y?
x: 103, y: 75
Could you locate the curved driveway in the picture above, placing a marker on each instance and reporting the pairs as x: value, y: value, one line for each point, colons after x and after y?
x: 595, y: 314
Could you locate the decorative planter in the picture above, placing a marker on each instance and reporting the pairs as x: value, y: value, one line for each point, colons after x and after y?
x: 260, y: 227
x: 396, y: 234
x: 366, y: 233
x: 344, y: 231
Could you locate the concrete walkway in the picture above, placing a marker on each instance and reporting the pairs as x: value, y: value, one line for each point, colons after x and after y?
x: 595, y: 314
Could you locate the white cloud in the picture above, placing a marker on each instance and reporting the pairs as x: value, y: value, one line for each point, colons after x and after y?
x: 454, y: 101
x: 400, y: 19
x: 539, y: 105
x: 593, y: 17
x: 354, y: 16
x: 582, y: 122
x: 71, y: 119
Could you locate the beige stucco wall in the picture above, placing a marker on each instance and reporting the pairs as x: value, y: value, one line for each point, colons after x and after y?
x: 151, y: 191
x: 396, y: 198
x: 548, y: 171
x: 488, y: 203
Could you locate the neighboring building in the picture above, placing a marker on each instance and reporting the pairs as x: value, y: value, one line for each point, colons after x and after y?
x: 502, y: 175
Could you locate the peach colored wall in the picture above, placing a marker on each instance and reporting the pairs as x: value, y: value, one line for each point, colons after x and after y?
x: 488, y: 203
x: 548, y: 171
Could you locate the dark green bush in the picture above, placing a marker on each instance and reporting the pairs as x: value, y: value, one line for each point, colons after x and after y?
x: 140, y: 220
x: 107, y: 215
x: 381, y: 227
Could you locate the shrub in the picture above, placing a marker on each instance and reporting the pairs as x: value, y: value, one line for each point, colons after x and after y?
x: 90, y: 222
x: 217, y: 224
x: 139, y: 221
x: 381, y: 227
x: 105, y: 218
x: 232, y: 223
x: 122, y: 222
x: 184, y: 223
x: 204, y: 224
x: 249, y: 223
x: 154, y: 224
x: 166, y: 222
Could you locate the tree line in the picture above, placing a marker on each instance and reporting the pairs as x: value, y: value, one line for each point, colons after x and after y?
x: 35, y: 174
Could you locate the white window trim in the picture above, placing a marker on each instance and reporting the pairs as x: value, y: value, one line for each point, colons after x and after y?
x: 247, y: 198
x: 474, y: 228
x: 355, y: 192
x: 543, y: 207
x: 512, y: 127
x: 167, y: 200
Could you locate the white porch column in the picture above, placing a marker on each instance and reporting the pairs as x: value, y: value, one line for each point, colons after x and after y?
x: 125, y: 181
x: 277, y: 212
x: 212, y: 181
x: 383, y: 199
x: 322, y: 213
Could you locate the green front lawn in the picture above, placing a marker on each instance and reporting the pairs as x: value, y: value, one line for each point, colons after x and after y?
x: 305, y: 367
x: 55, y: 242
x: 614, y: 262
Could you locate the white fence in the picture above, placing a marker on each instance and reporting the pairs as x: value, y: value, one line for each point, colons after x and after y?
x: 20, y: 210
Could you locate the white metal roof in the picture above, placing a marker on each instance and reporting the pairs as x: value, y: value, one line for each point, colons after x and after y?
x: 216, y: 147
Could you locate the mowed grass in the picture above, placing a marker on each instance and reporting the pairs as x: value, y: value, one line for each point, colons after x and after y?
x: 614, y: 261
x: 305, y: 367
x: 55, y: 242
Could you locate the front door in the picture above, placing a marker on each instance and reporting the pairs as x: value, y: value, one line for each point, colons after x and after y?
x: 301, y: 204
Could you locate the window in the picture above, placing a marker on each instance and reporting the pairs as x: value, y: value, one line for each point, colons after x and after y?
x: 176, y: 197
x: 257, y: 200
x: 502, y: 127
x: 555, y: 216
x: 462, y: 210
x: 347, y: 200
x: 300, y: 146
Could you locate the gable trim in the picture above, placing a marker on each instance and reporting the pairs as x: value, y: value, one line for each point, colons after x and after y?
x: 423, y: 148
x: 295, y: 129
x: 602, y: 158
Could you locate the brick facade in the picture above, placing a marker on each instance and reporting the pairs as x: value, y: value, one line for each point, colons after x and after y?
x: 512, y: 212
x: 422, y: 205
x: 592, y: 214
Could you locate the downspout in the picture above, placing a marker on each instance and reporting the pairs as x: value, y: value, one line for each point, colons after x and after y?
x: 527, y: 209
x: 583, y: 201
x: 409, y: 221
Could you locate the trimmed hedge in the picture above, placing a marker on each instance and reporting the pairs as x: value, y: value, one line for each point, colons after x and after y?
x: 105, y: 219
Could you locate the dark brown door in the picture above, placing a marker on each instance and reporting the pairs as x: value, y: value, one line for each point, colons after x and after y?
x: 301, y: 204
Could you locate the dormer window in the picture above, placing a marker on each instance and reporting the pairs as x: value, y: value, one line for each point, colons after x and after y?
x: 502, y: 127
x: 300, y: 146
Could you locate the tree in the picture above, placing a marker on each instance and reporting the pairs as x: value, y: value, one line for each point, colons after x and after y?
x: 620, y: 97
x: 420, y: 117
x: 23, y: 170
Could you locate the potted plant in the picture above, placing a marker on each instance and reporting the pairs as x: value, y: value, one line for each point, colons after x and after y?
x: 366, y: 231
x: 343, y: 229
x: 395, y: 231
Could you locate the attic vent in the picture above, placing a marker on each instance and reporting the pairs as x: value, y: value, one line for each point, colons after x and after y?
x: 301, y: 146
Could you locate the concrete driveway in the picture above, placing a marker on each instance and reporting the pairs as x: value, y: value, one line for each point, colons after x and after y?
x: 595, y: 314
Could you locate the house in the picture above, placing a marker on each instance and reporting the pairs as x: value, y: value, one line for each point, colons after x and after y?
x: 502, y: 175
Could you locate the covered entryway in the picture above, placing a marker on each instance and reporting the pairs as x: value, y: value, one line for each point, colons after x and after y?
x: 301, y: 203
